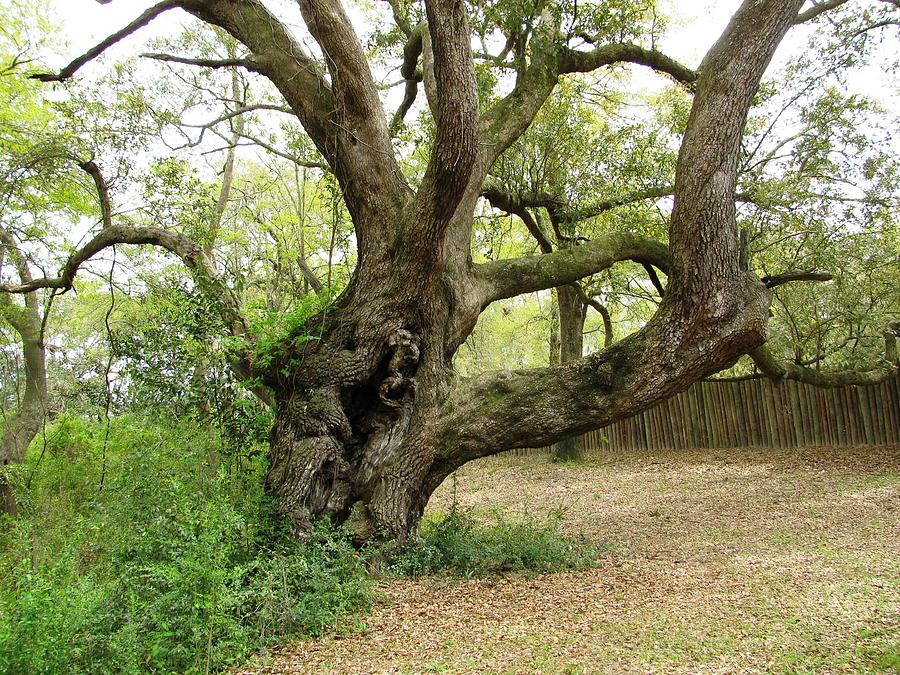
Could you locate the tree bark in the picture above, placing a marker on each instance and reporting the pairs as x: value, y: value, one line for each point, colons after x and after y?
x: 572, y: 313
x: 25, y: 423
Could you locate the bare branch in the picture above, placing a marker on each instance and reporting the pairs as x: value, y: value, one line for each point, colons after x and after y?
x: 245, y: 62
x: 73, y: 67
x: 242, y: 110
x: 412, y: 76
x: 654, y: 279
x: 817, y: 9
x: 788, y: 277
x: 456, y: 143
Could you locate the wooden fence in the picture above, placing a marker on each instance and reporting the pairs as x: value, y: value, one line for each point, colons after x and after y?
x: 760, y: 413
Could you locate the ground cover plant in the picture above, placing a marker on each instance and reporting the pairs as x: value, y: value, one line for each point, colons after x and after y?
x: 459, y: 543
x: 142, y: 548
x: 167, y: 565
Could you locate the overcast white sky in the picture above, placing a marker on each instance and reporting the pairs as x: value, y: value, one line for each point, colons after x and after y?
x: 85, y: 22
x: 698, y: 24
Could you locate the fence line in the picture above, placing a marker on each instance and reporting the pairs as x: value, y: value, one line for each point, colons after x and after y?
x: 759, y: 413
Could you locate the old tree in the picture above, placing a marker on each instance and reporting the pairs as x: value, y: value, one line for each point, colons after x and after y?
x: 369, y: 415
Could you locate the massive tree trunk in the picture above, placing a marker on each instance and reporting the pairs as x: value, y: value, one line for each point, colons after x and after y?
x: 369, y: 416
x: 371, y: 420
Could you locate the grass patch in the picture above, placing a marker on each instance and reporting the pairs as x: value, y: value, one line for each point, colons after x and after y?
x: 458, y: 544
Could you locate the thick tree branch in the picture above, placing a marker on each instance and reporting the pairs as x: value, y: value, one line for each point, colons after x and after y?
x: 314, y: 282
x: 26, y: 321
x: 558, y: 208
x: 703, y: 233
x: 713, y: 311
x: 788, y: 277
x: 456, y: 143
x: 507, y: 278
x: 777, y: 369
x: 574, y: 61
x: 146, y: 17
x: 819, y: 8
x: 351, y: 79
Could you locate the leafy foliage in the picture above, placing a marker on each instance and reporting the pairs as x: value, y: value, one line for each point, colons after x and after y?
x: 166, y: 566
x: 459, y: 544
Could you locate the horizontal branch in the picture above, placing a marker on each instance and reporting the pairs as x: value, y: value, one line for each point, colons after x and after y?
x: 243, y: 110
x: 788, y: 277
x: 574, y: 61
x: 507, y: 278
x: 778, y: 369
x: 245, y: 62
x: 188, y: 250
x: 558, y: 208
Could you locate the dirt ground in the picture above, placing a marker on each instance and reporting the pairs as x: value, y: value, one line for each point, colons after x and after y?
x: 715, y: 561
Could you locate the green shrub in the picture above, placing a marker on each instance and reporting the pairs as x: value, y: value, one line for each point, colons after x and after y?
x: 170, y: 566
x: 458, y: 544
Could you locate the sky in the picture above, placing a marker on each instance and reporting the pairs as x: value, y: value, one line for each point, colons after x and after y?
x: 696, y: 26
x: 699, y: 23
x: 86, y: 22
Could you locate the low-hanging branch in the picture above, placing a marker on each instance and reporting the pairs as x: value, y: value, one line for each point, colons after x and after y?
x: 778, y: 369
